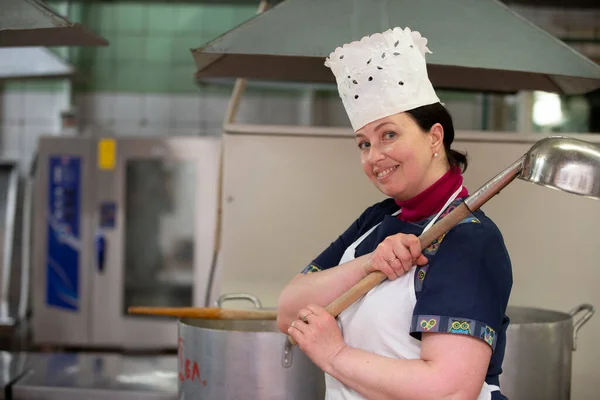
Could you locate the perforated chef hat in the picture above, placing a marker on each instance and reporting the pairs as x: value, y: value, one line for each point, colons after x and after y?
x: 381, y: 75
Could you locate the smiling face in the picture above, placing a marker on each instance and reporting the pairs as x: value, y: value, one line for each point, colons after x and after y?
x: 398, y: 157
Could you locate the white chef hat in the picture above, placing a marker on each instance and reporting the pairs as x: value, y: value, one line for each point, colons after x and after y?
x: 381, y: 75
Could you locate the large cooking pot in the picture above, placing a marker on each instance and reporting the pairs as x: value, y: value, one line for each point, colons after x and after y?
x: 539, y: 343
x: 243, y: 359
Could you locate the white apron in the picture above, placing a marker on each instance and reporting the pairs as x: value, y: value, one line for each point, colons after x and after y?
x: 371, y: 324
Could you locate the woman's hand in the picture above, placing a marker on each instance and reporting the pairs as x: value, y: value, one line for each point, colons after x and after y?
x: 318, y: 335
x: 396, y: 255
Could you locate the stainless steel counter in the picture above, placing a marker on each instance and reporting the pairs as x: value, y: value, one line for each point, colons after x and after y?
x: 90, y: 376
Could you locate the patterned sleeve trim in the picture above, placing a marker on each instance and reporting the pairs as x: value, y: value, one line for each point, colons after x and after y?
x: 463, y: 326
x: 310, y: 269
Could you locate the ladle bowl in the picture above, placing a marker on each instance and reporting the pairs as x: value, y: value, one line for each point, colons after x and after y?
x: 557, y: 162
x: 566, y: 164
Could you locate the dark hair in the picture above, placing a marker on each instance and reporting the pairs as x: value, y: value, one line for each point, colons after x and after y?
x: 427, y: 116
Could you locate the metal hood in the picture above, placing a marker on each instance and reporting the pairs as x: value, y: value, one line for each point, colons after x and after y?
x: 32, y: 23
x: 476, y: 45
x: 32, y: 63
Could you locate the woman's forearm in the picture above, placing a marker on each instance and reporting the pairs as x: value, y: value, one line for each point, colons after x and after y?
x: 319, y: 288
x: 383, y: 378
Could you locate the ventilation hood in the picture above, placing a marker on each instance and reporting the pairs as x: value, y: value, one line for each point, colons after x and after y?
x: 478, y: 45
x: 32, y: 23
x: 32, y: 63
x: 562, y: 4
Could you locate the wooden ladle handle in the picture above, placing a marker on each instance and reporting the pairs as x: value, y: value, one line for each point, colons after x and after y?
x: 375, y: 278
x: 438, y: 229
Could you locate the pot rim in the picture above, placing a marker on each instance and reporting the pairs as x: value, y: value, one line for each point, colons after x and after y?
x: 529, y: 315
x: 231, y: 325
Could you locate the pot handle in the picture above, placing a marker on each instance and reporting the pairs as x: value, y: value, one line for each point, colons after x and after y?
x: 238, y: 296
x: 288, y: 353
x: 590, y: 310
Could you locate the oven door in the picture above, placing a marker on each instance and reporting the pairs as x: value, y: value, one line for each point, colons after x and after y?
x: 155, y: 236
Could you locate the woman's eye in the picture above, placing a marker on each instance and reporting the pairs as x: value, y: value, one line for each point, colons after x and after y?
x: 363, y: 145
x: 389, y: 135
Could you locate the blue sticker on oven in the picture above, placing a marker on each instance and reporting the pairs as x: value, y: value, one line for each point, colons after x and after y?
x: 64, y: 241
x: 108, y: 212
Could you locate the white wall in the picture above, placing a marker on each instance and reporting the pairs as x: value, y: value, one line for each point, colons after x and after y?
x: 23, y: 117
x: 26, y: 115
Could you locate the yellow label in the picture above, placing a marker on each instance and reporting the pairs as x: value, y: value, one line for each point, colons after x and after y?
x: 107, y: 153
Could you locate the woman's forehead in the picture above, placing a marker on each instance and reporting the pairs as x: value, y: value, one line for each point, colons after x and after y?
x: 398, y: 120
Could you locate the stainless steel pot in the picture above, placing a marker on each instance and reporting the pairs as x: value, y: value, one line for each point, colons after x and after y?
x: 250, y: 359
x: 539, y: 346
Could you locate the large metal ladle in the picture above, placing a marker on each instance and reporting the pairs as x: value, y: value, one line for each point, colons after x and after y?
x: 557, y: 162
x: 567, y: 164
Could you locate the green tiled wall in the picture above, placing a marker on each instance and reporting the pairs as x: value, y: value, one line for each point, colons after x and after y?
x: 150, y: 43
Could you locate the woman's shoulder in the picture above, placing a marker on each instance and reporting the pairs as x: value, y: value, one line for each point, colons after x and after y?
x: 480, y: 236
x: 385, y: 206
x: 479, y: 226
x: 377, y: 211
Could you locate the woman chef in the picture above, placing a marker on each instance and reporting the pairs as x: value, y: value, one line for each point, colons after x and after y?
x: 435, y: 329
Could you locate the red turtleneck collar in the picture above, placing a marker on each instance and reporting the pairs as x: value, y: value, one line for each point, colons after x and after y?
x: 432, y: 199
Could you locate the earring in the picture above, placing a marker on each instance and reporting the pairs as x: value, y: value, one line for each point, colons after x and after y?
x: 435, y: 154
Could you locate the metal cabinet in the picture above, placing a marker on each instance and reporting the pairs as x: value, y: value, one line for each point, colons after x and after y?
x: 121, y: 222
